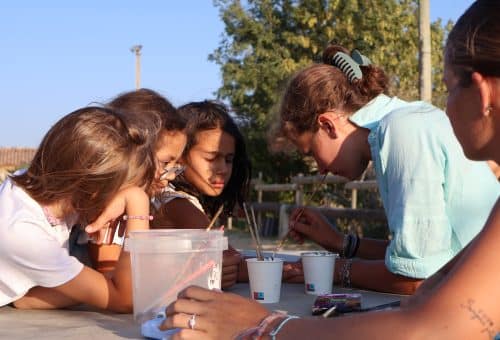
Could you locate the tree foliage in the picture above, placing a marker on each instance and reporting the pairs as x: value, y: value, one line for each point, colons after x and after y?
x: 266, y: 41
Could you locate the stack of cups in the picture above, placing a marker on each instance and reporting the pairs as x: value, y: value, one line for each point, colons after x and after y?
x: 265, y: 279
x: 318, y: 271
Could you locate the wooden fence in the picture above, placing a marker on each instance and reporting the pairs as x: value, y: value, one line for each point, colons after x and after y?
x: 297, y: 185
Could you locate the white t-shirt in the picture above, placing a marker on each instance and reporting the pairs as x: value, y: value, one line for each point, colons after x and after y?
x: 32, y: 251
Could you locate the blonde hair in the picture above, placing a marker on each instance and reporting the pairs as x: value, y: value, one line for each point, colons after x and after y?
x: 84, y: 159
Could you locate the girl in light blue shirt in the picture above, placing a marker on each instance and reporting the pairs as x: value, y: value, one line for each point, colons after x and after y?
x: 435, y: 199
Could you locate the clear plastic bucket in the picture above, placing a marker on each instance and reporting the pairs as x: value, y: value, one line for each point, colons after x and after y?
x: 168, y: 260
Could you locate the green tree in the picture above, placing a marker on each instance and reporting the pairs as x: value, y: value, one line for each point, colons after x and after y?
x: 266, y: 41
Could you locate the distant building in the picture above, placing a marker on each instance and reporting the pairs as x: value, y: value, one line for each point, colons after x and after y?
x: 15, y: 157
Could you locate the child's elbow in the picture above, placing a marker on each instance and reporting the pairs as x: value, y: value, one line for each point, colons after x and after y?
x: 123, y: 306
x: 26, y: 303
x: 21, y: 304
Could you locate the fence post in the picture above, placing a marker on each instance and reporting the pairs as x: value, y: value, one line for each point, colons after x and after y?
x: 259, y: 200
x: 354, y: 198
x: 299, y: 196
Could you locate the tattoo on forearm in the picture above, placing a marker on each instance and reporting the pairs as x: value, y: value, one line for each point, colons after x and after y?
x: 479, y: 315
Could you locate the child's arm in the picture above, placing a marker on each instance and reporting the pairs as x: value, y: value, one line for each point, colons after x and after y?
x: 90, y: 286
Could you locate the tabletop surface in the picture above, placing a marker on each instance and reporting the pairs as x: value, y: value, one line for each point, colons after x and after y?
x: 84, y: 322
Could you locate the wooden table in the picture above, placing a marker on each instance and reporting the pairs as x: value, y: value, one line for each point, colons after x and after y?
x: 87, y: 323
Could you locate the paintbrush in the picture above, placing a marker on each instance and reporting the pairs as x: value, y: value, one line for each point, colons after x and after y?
x: 250, y: 226
x: 256, y: 228
x: 212, y: 222
x: 192, y: 256
x: 299, y: 214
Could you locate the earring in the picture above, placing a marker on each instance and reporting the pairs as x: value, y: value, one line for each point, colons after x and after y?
x: 488, y: 109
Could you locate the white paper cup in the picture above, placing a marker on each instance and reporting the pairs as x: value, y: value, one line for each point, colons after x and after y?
x: 265, y: 279
x: 318, y: 271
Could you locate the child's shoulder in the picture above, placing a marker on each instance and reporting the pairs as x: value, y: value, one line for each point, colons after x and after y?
x: 179, y: 213
x: 16, y: 203
x: 169, y: 194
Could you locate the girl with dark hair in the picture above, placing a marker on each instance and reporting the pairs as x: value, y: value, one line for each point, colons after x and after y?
x: 465, y: 303
x: 217, y: 168
x: 90, y: 169
x: 217, y: 173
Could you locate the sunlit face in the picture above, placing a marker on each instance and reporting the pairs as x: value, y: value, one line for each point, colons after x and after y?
x: 339, y: 153
x: 168, y: 151
x: 464, y: 110
x: 209, y: 163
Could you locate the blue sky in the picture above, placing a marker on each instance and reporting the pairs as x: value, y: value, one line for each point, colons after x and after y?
x: 57, y: 56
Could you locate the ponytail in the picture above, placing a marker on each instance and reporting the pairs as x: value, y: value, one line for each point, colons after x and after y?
x: 367, y: 79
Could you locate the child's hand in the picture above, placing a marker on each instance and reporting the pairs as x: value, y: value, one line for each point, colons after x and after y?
x: 131, y: 200
x: 293, y: 272
x: 310, y: 223
x: 230, y: 265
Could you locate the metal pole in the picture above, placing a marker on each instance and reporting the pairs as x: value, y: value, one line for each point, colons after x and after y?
x: 137, y: 50
x: 425, y: 51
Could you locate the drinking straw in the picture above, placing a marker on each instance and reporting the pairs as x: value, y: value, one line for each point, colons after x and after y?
x: 191, y: 257
x: 179, y: 282
x: 178, y: 285
x: 299, y: 214
x: 257, y: 249
x: 212, y: 222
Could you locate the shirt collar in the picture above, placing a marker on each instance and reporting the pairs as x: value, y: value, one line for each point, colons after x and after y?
x: 370, y: 114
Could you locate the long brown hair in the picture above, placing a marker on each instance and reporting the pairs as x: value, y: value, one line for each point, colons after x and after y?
x: 474, y: 42
x: 322, y: 87
x: 148, y: 102
x: 146, y: 109
x: 83, y: 160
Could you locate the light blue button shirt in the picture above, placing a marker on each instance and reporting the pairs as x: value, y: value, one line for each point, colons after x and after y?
x: 435, y: 199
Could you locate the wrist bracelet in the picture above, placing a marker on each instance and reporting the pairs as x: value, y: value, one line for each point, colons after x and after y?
x: 356, y: 247
x: 353, y: 245
x: 137, y: 217
x: 346, y: 274
x: 350, y: 245
x: 345, y: 245
x: 258, y: 331
x: 275, y: 331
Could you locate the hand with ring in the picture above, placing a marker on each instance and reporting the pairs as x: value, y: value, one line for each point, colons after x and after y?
x: 192, y: 321
x: 203, y: 313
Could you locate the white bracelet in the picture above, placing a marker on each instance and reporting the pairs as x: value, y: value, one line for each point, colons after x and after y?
x: 275, y: 331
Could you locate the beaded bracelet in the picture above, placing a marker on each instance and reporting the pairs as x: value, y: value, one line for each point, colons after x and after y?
x: 346, y: 274
x: 137, y: 217
x: 345, y: 245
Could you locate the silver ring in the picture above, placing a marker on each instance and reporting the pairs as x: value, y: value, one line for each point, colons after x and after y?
x: 192, y: 321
